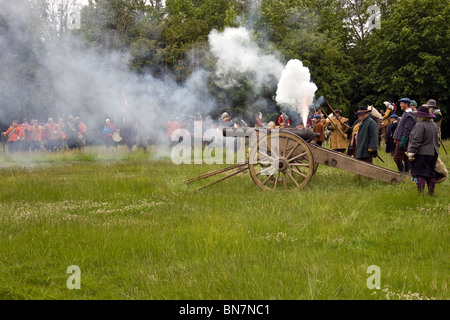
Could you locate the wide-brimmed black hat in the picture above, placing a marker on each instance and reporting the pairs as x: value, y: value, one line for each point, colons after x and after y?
x: 423, y: 112
x: 362, y: 110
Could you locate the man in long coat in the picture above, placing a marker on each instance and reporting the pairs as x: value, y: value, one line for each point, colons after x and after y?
x: 401, y: 135
x: 338, y: 127
x: 367, y: 138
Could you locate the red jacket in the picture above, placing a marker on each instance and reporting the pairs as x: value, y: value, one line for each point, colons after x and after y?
x: 35, y: 133
x: 15, y: 134
x: 52, y: 132
x: 82, y: 129
x: 286, y: 123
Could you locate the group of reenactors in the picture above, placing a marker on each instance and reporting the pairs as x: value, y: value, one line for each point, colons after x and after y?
x: 343, y: 137
x: 413, y: 139
x: 50, y: 136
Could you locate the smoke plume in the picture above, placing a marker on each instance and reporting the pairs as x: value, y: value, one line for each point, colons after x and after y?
x: 295, y: 89
x: 237, y: 52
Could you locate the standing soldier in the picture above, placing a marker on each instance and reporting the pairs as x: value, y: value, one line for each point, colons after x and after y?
x: 52, y: 135
x: 431, y: 105
x: 283, y: 120
x: 15, y: 135
x: 401, y: 135
x: 367, y: 137
x: 108, y: 130
x: 71, y: 133
x: 258, y: 123
x: 318, y: 128
x: 389, y: 137
x: 386, y: 120
x: 338, y: 127
x: 62, y: 127
x: 35, y: 133
x: 26, y: 140
x: 81, y: 130
x: 423, y: 150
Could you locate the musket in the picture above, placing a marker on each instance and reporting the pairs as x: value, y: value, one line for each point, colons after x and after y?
x: 3, y: 142
x: 334, y: 124
x: 332, y: 110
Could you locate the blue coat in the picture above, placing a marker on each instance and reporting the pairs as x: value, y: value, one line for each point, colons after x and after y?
x: 406, y: 124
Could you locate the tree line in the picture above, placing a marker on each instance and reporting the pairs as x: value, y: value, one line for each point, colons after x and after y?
x: 359, y: 52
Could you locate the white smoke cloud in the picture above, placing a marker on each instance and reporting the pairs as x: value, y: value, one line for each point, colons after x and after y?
x: 83, y: 82
x: 295, y: 89
x: 237, y: 52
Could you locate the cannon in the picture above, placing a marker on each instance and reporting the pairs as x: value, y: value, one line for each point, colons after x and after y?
x: 287, y: 158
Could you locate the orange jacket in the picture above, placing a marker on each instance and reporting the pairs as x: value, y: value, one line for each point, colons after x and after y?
x: 318, y: 128
x: 82, y: 129
x: 35, y: 133
x: 52, y: 132
x: 62, y: 127
x: 15, y: 134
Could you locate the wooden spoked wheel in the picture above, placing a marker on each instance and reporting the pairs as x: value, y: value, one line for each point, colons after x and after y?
x: 287, y: 164
x: 316, y: 165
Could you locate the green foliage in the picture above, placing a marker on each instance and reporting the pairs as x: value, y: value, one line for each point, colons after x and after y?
x: 297, y: 29
x: 409, y: 55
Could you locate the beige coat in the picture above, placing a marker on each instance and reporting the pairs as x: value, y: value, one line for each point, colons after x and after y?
x: 338, y: 138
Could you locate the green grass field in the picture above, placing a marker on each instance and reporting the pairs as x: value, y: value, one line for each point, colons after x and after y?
x: 136, y: 232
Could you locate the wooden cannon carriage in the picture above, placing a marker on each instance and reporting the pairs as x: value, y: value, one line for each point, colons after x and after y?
x: 286, y: 158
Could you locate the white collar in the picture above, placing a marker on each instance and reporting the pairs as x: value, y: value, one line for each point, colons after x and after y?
x: 408, y: 110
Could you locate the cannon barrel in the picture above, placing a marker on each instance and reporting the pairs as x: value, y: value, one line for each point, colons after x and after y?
x: 306, y: 134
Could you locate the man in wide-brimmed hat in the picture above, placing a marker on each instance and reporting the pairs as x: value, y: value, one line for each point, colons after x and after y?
x: 401, y: 135
x: 367, y: 136
x: 423, y: 150
x: 431, y: 105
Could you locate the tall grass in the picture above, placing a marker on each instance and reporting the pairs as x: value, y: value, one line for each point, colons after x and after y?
x: 136, y: 232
